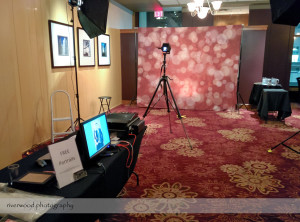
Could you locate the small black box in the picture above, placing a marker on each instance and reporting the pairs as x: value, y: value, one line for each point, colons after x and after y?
x: 137, y: 126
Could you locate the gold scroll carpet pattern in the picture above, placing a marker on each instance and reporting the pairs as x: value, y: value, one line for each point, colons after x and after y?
x: 229, y: 159
x: 253, y: 176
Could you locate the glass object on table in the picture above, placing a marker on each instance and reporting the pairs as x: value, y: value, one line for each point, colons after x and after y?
x: 274, y: 81
x: 13, y: 171
x: 266, y: 81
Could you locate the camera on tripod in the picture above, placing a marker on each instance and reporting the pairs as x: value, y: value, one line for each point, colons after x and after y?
x: 164, y: 83
x: 166, y: 48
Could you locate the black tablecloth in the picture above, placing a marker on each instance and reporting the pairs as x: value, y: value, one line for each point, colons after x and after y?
x: 256, y: 92
x: 98, y: 184
x: 274, y: 100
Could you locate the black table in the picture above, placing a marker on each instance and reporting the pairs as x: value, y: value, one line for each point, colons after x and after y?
x: 274, y: 100
x: 98, y: 184
x: 256, y: 92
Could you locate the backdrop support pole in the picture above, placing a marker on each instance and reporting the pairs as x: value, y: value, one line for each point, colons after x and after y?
x: 238, y: 95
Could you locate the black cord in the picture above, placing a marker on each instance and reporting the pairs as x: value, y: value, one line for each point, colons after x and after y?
x: 99, y: 171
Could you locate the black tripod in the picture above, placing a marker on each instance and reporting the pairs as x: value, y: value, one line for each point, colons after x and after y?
x: 165, y: 84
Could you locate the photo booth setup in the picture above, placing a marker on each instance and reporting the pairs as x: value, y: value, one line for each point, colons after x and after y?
x: 203, y: 66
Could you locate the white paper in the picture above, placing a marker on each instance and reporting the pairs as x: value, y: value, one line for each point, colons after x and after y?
x: 66, y: 160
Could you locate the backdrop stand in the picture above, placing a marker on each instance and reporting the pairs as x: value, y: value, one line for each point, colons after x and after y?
x: 238, y: 94
x: 134, y: 98
x: 166, y: 86
x: 133, y: 101
x: 282, y: 143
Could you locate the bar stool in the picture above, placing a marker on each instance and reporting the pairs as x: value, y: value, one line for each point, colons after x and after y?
x: 104, y: 101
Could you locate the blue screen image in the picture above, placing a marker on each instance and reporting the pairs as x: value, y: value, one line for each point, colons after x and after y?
x: 96, y: 134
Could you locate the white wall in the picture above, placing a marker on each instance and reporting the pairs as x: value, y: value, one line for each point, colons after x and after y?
x: 119, y: 17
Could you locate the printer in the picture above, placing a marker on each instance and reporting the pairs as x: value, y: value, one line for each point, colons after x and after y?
x: 124, y: 123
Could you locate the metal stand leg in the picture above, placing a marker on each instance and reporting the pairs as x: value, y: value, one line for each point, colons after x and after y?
x: 179, y: 115
x: 237, y: 105
x: 147, y: 110
x: 282, y: 143
x: 166, y: 86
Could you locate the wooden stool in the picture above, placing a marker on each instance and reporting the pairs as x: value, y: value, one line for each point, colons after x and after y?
x: 106, y: 103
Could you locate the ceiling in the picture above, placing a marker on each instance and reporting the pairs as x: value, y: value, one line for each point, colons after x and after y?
x: 228, y: 6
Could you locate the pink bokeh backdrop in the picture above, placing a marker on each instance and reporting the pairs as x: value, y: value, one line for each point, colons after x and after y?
x: 203, y: 66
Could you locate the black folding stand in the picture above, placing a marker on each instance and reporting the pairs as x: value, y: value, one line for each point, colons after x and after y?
x: 238, y: 94
x: 282, y: 143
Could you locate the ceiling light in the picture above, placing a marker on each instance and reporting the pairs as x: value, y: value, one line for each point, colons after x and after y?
x: 216, y: 5
x: 196, y: 7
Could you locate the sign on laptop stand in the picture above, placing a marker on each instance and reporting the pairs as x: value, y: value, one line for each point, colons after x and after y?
x: 66, y: 162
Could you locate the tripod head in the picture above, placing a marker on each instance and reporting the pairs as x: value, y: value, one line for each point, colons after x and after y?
x: 166, y: 49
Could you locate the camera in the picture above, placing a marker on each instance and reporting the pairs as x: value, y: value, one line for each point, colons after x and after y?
x: 166, y: 48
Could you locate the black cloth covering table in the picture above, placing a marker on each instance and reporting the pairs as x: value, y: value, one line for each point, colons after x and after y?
x: 98, y: 184
x: 274, y: 100
x: 257, y: 90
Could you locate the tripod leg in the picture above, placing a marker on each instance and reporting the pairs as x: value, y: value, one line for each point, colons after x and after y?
x: 179, y: 115
x: 168, y: 107
x: 167, y: 102
x: 170, y: 123
x: 156, y: 102
x: 146, y: 112
x: 170, y: 103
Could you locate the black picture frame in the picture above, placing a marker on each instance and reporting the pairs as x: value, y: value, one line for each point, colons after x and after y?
x: 61, y: 44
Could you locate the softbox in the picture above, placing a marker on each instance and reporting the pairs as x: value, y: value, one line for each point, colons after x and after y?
x: 285, y: 12
x: 93, y: 17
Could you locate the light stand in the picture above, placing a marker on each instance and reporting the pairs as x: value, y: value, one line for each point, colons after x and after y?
x: 165, y: 84
x: 75, y: 64
x: 92, y: 16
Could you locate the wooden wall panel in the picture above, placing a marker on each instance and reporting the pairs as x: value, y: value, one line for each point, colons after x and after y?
x: 252, y: 60
x: 279, y: 44
x: 220, y: 20
x: 279, y: 53
x: 189, y: 21
x: 11, y: 131
x: 129, y: 64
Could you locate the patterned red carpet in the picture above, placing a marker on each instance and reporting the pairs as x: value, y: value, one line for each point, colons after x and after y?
x: 229, y: 159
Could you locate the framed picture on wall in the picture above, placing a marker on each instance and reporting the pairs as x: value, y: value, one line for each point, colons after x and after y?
x: 103, y: 50
x: 61, y: 44
x: 86, y: 49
